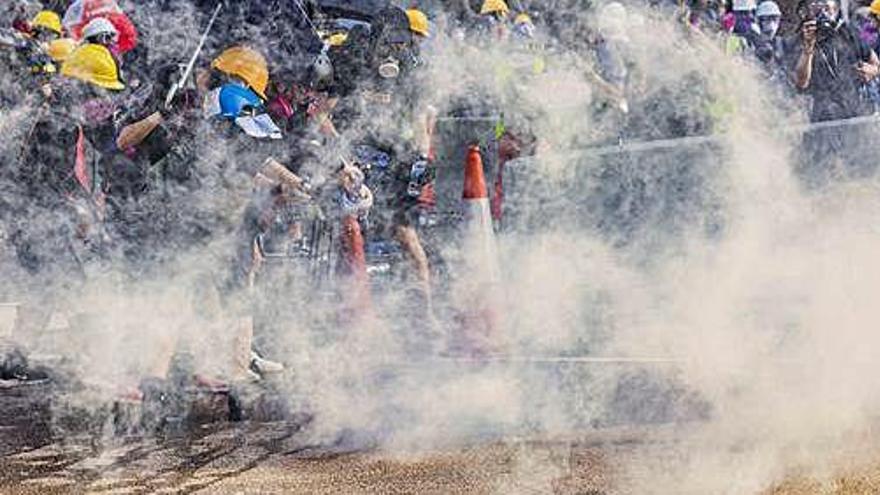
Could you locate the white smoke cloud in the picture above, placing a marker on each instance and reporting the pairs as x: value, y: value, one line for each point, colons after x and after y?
x: 707, y: 254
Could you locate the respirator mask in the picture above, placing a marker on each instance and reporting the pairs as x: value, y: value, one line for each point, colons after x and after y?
x: 391, y: 53
x: 322, y: 67
x: 769, y: 26
x: 389, y: 68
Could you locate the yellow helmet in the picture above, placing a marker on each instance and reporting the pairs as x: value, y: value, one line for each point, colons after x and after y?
x: 48, y: 20
x: 338, y: 39
x: 247, y: 64
x: 875, y: 7
x: 60, y: 49
x: 93, y: 64
x: 495, y: 7
x: 522, y: 18
x: 418, y: 22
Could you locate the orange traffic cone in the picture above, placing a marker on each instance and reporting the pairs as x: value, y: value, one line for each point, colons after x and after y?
x: 357, y: 302
x: 481, y: 288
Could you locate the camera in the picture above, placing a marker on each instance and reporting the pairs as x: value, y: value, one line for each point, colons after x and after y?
x: 764, y: 52
x: 824, y: 23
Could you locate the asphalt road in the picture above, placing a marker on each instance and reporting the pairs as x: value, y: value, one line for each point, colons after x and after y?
x: 278, y: 458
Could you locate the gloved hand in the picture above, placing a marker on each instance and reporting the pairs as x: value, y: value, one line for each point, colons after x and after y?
x: 355, y: 198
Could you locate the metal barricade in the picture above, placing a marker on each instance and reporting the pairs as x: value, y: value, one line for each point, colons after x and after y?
x: 664, y: 186
x: 838, y: 150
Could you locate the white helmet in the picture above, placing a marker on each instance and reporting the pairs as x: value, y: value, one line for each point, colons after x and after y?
x: 768, y: 8
x: 744, y: 5
x: 613, y: 20
x: 99, y: 26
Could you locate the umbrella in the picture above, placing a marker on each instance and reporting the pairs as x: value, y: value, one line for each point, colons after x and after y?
x: 81, y: 12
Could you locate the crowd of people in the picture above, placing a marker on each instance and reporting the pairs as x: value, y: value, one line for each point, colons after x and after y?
x: 273, y: 110
x: 135, y: 160
x: 827, y: 53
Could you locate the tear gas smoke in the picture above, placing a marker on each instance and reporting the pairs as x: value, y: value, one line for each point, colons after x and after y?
x: 703, y: 251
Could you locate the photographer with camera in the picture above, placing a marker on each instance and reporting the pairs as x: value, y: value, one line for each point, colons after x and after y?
x: 835, y: 68
x: 833, y: 64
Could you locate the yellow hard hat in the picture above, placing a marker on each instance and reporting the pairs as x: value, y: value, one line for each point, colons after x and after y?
x: 60, y: 49
x: 524, y: 18
x: 875, y: 7
x: 336, y: 39
x: 93, y: 64
x: 495, y: 7
x: 246, y: 64
x: 418, y: 22
x: 48, y: 20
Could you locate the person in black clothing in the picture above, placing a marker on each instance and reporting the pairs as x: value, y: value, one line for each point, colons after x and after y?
x: 833, y: 66
x: 58, y: 227
x: 769, y: 46
x: 382, y: 112
x: 280, y: 27
x: 152, y: 173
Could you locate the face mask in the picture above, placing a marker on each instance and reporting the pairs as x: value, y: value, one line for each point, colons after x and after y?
x: 525, y: 30
x: 769, y: 27
x: 868, y: 33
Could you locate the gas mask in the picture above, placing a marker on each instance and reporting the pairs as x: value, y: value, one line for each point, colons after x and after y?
x: 389, y: 68
x: 392, y: 50
x: 390, y: 59
x: 323, y: 68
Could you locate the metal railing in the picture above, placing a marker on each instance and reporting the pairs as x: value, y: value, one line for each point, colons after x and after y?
x: 666, y: 184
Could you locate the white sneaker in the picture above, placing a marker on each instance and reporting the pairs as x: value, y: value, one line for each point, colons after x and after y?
x: 264, y: 366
